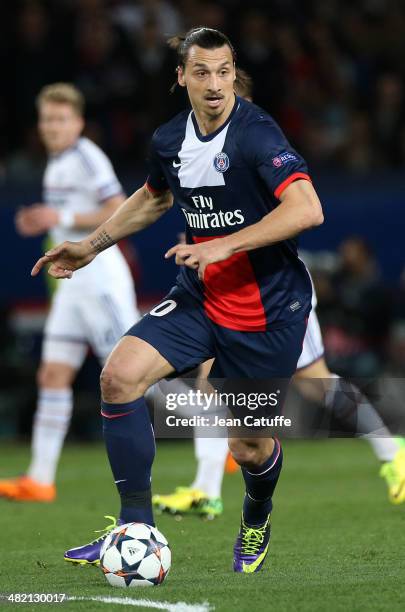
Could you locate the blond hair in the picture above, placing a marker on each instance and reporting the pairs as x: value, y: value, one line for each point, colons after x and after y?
x: 62, y: 93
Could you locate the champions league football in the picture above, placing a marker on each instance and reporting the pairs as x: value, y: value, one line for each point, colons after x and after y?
x: 135, y: 555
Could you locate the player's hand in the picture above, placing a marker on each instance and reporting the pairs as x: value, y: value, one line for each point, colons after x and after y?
x: 64, y: 259
x: 199, y: 256
x: 36, y: 219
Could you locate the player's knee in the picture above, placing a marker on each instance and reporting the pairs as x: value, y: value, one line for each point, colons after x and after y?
x: 249, y: 453
x: 112, y: 383
x: 243, y: 452
x: 119, y: 383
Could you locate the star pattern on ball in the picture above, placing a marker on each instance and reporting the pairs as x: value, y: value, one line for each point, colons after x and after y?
x: 147, y: 552
x: 153, y: 546
x: 129, y: 572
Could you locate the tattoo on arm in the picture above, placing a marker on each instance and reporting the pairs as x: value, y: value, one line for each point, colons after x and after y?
x: 101, y: 242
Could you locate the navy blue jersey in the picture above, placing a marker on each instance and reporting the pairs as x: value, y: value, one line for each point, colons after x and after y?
x: 223, y: 182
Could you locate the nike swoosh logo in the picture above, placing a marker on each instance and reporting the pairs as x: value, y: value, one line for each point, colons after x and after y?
x: 176, y: 165
x: 249, y: 568
x: 123, y: 480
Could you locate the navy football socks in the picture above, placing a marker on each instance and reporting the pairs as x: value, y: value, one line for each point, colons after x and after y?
x: 130, y: 443
x: 260, y: 485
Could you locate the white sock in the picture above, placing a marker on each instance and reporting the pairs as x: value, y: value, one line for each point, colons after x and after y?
x: 175, y: 386
x: 384, y: 447
x: 51, y: 422
x: 210, y: 454
x: 367, y: 419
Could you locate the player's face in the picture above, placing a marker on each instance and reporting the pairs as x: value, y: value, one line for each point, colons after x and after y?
x: 209, y: 75
x: 59, y: 126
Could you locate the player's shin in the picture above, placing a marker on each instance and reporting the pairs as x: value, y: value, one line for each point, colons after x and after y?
x: 50, y: 426
x: 260, y: 483
x: 130, y: 446
x: 210, y: 454
x: 348, y: 404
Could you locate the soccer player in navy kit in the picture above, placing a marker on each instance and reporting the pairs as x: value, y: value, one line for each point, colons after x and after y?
x: 242, y: 295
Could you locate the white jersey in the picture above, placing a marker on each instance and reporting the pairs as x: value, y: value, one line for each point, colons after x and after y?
x: 98, y: 304
x: 79, y: 180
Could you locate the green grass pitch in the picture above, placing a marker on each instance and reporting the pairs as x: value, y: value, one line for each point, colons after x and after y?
x: 337, y: 543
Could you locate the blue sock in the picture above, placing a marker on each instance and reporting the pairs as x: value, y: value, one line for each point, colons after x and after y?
x: 260, y: 485
x: 130, y: 443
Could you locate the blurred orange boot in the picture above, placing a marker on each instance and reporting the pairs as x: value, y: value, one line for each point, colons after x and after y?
x: 24, y: 488
x: 9, y: 486
x: 230, y: 465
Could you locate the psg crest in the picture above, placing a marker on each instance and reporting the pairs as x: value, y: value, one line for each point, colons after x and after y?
x: 221, y: 162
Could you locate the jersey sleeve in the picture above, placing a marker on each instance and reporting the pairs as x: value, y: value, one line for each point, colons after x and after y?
x: 156, y: 181
x: 276, y: 161
x: 101, y: 178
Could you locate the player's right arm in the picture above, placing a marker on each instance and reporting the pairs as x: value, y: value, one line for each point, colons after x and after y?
x: 139, y: 211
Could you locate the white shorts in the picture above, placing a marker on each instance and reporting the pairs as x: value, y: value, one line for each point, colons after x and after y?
x: 79, y: 320
x: 313, y: 348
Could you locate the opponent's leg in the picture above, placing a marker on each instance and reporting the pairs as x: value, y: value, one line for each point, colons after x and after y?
x: 63, y: 352
x: 203, y: 496
x: 210, y: 453
x: 51, y: 422
x: 346, y: 403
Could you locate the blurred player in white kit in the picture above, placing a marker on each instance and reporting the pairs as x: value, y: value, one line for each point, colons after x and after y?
x: 96, y: 306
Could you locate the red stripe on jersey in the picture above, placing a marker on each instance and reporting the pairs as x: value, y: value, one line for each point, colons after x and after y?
x: 289, y: 180
x: 232, y: 295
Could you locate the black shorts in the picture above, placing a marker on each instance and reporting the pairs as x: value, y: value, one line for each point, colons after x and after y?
x: 179, y: 329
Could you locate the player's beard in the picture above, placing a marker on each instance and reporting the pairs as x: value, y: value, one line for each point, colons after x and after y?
x: 215, y: 112
x: 214, y: 98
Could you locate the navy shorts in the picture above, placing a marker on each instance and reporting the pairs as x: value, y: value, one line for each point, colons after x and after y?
x: 181, y: 332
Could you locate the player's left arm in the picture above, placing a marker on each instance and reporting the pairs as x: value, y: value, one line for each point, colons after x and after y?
x: 91, y: 220
x: 299, y: 209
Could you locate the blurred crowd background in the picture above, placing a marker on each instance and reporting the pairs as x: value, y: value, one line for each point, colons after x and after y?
x: 331, y: 73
